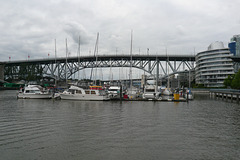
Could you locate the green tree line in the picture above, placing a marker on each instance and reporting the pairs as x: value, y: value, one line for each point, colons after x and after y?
x: 233, y: 81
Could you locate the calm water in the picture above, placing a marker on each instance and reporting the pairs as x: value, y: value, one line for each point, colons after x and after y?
x: 66, y: 130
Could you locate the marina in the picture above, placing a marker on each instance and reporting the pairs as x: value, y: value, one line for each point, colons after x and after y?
x: 97, y: 93
x: 120, y: 80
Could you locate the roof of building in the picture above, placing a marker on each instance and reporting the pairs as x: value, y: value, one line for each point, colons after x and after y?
x: 216, y: 45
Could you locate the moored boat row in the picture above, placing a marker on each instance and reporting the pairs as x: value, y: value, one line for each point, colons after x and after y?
x: 97, y: 93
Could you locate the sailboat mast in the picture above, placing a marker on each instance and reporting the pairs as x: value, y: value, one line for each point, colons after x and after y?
x: 156, y: 77
x: 189, y: 83
x: 95, y: 50
x: 96, y: 47
x: 168, y: 85
x: 55, y: 62
x: 78, y: 57
x: 130, y: 74
x: 189, y: 75
x: 66, y: 61
x: 110, y: 75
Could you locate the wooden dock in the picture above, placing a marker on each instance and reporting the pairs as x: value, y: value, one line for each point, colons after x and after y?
x: 232, y: 96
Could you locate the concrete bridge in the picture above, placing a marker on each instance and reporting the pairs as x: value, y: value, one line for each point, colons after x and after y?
x: 63, y: 68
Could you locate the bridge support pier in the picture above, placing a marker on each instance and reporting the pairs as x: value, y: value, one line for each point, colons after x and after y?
x: 1, y: 72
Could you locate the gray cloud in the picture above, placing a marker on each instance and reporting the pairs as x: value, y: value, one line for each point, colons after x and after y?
x: 74, y: 30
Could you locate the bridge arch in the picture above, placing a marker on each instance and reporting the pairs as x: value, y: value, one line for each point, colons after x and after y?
x: 62, y: 68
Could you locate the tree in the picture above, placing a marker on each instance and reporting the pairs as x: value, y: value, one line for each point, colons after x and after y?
x: 236, y: 81
x: 228, y: 81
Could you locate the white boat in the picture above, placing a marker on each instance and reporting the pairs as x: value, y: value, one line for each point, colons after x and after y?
x: 190, y: 97
x: 166, y: 94
x: 77, y: 93
x: 34, y: 92
x: 132, y: 93
x: 150, y: 92
x: 114, y: 92
x: 188, y: 94
x: 56, y: 95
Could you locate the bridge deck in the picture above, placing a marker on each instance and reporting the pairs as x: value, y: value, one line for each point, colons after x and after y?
x: 104, y: 58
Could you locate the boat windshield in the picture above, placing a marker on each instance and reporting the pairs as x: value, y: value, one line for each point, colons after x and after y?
x: 150, y: 90
x: 112, y: 89
x: 32, y: 91
x: 78, y: 91
x: 72, y: 91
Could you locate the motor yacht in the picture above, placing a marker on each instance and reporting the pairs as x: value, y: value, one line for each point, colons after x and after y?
x: 150, y: 92
x: 34, y: 92
x: 77, y: 93
x: 114, y: 92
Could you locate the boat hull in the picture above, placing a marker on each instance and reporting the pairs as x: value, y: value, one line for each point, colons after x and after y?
x: 83, y: 97
x: 34, y: 96
x: 188, y: 96
x: 149, y: 96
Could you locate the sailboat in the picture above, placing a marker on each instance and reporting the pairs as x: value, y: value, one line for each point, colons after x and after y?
x: 132, y: 92
x: 167, y: 93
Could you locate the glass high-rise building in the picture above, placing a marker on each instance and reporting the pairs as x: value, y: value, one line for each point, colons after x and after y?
x: 234, y: 45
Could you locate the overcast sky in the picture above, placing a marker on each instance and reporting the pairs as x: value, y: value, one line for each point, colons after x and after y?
x: 29, y: 27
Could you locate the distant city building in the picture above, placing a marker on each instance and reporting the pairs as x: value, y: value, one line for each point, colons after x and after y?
x: 232, y: 48
x: 213, y: 65
x: 234, y: 45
